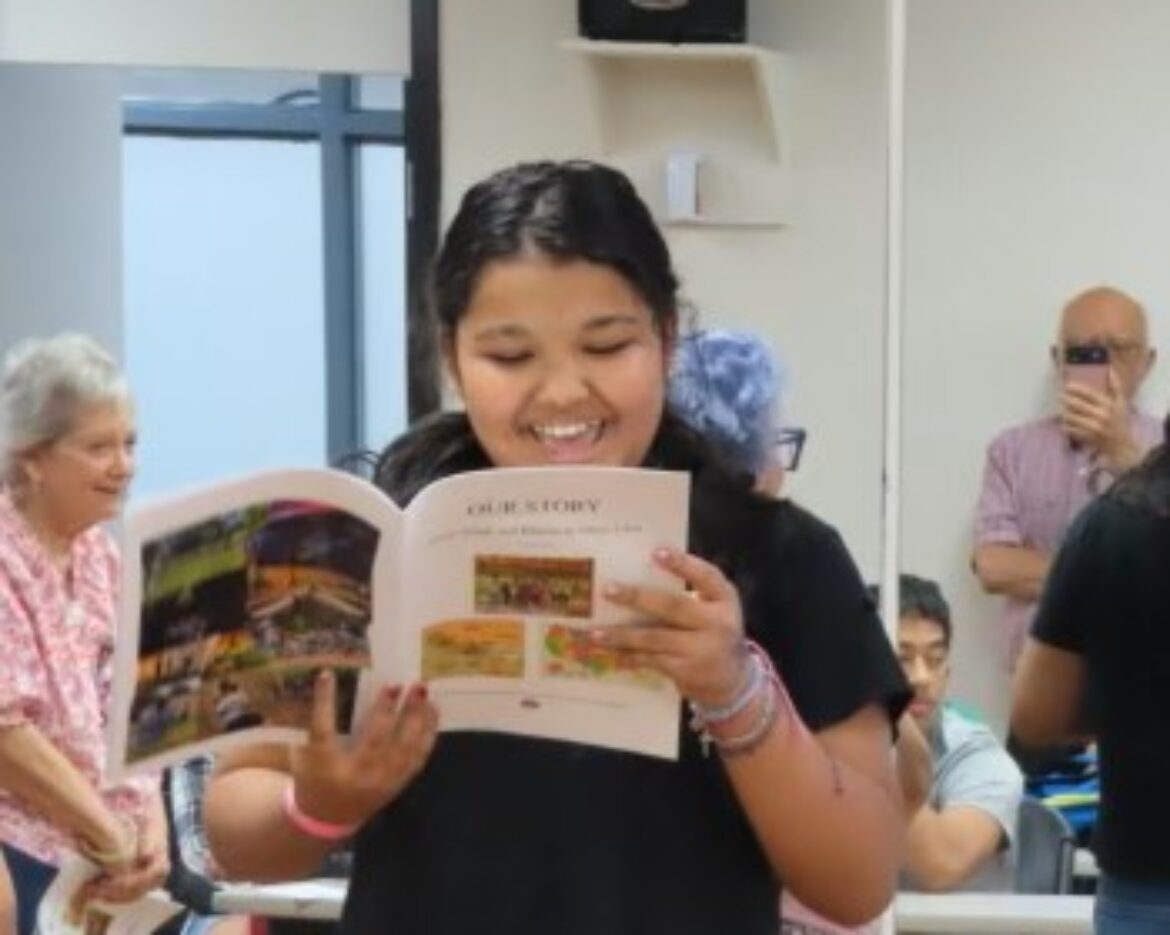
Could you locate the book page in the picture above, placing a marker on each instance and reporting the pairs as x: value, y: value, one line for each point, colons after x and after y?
x: 233, y: 598
x: 505, y: 571
x: 57, y: 915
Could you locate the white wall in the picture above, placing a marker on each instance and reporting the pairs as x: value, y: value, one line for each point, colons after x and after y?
x: 1038, y: 141
x: 340, y: 35
x: 60, y: 188
x: 814, y: 288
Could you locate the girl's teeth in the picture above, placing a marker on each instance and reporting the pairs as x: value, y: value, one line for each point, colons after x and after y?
x: 558, y: 432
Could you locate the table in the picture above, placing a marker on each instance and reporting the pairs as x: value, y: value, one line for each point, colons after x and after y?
x: 966, y: 913
x: 1085, y: 864
x: 303, y: 899
x: 985, y: 913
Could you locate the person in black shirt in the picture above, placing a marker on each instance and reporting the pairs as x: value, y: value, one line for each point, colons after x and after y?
x: 557, y: 311
x: 1097, y: 665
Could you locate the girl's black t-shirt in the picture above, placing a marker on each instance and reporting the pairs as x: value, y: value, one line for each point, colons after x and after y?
x: 1107, y: 598
x: 505, y: 835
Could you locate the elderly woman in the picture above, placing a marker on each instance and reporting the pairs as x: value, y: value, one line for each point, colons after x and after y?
x: 66, y: 456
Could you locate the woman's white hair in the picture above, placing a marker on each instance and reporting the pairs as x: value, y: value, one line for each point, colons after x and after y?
x: 44, y: 385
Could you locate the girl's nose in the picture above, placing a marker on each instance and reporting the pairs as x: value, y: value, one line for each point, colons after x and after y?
x: 563, y: 386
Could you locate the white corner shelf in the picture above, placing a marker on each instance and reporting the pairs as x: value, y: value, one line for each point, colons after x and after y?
x: 729, y: 223
x: 722, y: 101
x: 752, y: 72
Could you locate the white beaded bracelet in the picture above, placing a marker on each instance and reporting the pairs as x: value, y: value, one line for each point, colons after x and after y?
x: 757, y: 670
x: 761, y: 677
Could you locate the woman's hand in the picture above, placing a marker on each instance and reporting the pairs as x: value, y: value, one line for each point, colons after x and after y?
x: 345, y: 781
x: 7, y: 901
x: 127, y: 881
x: 694, y: 638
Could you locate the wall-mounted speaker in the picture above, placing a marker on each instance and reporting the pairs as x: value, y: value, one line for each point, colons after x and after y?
x: 663, y: 20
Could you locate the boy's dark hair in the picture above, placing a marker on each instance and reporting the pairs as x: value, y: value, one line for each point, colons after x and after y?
x: 920, y: 597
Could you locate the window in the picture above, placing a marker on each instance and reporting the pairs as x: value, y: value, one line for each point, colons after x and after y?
x: 265, y: 258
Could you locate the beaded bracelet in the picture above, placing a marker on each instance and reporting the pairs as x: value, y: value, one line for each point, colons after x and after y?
x: 751, y: 738
x: 313, y: 827
x: 762, y: 677
x: 758, y: 666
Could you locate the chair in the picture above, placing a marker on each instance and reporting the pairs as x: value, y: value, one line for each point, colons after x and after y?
x: 1045, y: 847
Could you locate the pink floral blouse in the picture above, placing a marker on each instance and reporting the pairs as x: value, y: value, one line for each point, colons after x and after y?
x: 55, y: 668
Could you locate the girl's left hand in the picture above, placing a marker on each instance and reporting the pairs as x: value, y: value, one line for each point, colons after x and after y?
x: 694, y: 638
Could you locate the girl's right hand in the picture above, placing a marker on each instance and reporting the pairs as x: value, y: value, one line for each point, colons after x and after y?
x: 345, y: 781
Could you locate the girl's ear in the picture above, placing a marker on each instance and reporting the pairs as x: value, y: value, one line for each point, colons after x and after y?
x: 450, y: 361
x: 669, y: 343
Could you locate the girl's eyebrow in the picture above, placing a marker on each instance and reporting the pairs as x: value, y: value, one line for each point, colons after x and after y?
x: 500, y: 331
x: 615, y: 318
x: 508, y: 330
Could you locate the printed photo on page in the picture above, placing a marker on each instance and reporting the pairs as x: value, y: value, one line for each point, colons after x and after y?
x: 508, y: 589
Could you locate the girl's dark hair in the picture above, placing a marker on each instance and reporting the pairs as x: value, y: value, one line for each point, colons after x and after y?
x: 574, y: 210
x: 1147, y: 486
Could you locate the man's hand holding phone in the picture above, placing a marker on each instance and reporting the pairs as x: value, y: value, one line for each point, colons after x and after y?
x: 1094, y: 409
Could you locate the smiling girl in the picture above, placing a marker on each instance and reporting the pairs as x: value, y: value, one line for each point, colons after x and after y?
x: 557, y: 311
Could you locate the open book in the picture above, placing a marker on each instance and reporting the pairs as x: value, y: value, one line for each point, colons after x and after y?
x: 487, y: 587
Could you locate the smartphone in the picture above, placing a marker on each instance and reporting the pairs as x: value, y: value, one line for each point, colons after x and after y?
x: 1088, y: 365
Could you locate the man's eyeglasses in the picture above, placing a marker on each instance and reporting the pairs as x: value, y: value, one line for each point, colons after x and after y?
x: 1117, y: 348
x: 789, y: 446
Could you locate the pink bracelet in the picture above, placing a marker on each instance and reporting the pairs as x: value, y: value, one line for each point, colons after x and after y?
x: 313, y: 827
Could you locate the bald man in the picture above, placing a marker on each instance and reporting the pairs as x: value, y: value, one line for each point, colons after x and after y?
x: 1039, y: 475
